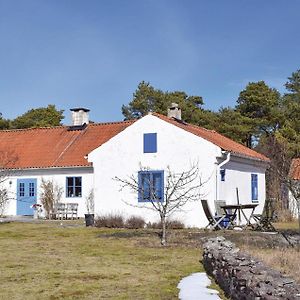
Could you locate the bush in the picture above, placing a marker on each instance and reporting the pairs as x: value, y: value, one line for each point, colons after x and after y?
x: 175, y: 224
x: 135, y: 222
x: 171, y: 224
x: 110, y: 221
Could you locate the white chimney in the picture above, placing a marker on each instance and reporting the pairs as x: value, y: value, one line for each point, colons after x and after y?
x: 174, y: 111
x: 80, y: 116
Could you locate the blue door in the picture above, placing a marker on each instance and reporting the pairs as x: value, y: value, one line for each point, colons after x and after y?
x: 26, y: 196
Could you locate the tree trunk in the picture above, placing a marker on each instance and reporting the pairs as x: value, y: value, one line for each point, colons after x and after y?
x: 298, y: 211
x: 164, y: 231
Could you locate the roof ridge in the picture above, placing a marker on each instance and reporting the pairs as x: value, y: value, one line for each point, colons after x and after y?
x: 33, y: 128
x: 213, y: 139
x: 114, y: 122
x: 66, y: 126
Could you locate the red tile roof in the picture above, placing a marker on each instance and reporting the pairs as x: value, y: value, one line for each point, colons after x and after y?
x: 216, y: 138
x: 60, y: 147
x: 56, y: 146
x: 295, y: 169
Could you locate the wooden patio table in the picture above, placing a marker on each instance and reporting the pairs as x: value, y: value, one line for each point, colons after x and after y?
x: 238, y: 209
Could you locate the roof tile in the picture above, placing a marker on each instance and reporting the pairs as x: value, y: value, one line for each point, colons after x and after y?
x: 56, y: 146
x: 295, y: 169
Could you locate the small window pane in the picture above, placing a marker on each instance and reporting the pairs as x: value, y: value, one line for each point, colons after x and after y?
x: 78, y: 191
x: 145, y: 186
x: 21, y: 189
x: 157, y: 185
x: 70, y: 192
x: 31, y: 189
x: 70, y: 181
x: 78, y: 181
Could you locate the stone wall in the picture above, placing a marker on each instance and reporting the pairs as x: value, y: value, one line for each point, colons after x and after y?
x: 242, y: 277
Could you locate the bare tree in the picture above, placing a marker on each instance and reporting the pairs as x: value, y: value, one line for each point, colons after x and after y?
x: 179, y: 189
x: 7, y: 163
x: 51, y: 194
x: 89, y: 202
x: 4, y: 198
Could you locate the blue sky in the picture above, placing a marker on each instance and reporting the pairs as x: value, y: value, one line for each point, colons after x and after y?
x: 94, y: 53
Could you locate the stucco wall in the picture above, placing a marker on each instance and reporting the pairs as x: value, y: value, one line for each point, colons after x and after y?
x: 238, y: 176
x: 293, y: 206
x: 123, y: 155
x: 58, y: 175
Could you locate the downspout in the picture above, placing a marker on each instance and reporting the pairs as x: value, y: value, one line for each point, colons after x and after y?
x: 218, y: 171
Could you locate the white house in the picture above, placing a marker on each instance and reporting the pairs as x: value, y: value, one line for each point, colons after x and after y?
x: 88, y: 156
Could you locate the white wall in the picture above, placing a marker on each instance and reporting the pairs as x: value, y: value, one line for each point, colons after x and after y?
x: 293, y: 207
x: 123, y: 155
x: 238, y: 175
x: 58, y: 175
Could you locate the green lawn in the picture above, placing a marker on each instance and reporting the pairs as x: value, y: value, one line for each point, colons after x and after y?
x: 50, y: 261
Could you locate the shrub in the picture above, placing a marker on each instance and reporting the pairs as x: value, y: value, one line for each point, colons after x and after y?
x: 135, y: 222
x: 175, y: 224
x: 171, y: 224
x: 110, y: 221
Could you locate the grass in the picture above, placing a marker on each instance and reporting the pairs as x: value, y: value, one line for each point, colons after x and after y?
x: 50, y: 261
x: 294, y: 225
x: 282, y: 258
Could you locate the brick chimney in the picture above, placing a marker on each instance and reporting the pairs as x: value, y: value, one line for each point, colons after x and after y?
x: 80, y: 116
x: 174, y: 111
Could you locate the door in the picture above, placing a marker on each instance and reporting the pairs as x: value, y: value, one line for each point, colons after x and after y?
x: 26, y: 196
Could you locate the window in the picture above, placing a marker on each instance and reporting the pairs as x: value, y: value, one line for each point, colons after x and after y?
x: 151, y: 186
x: 254, y: 187
x: 22, y: 189
x: 31, y: 189
x: 74, y: 186
x: 150, y: 142
x: 222, y: 173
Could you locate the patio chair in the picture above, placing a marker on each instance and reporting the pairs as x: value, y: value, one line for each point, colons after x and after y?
x: 263, y: 223
x: 72, y: 210
x: 213, y: 222
x: 229, y: 216
x: 59, y: 211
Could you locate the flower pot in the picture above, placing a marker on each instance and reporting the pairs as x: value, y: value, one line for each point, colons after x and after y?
x: 89, y: 219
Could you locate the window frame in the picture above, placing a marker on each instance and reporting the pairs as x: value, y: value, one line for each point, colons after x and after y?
x: 254, y: 187
x: 73, y: 187
x: 151, y: 173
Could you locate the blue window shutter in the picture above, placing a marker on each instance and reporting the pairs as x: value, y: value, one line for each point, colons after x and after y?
x: 158, y: 185
x: 140, y: 196
x: 254, y: 187
x: 150, y: 142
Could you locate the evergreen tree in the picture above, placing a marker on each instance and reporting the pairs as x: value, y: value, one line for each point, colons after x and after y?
x: 148, y: 99
x: 39, y: 117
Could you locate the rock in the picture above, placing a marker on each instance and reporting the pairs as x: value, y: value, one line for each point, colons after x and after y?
x: 242, y: 277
